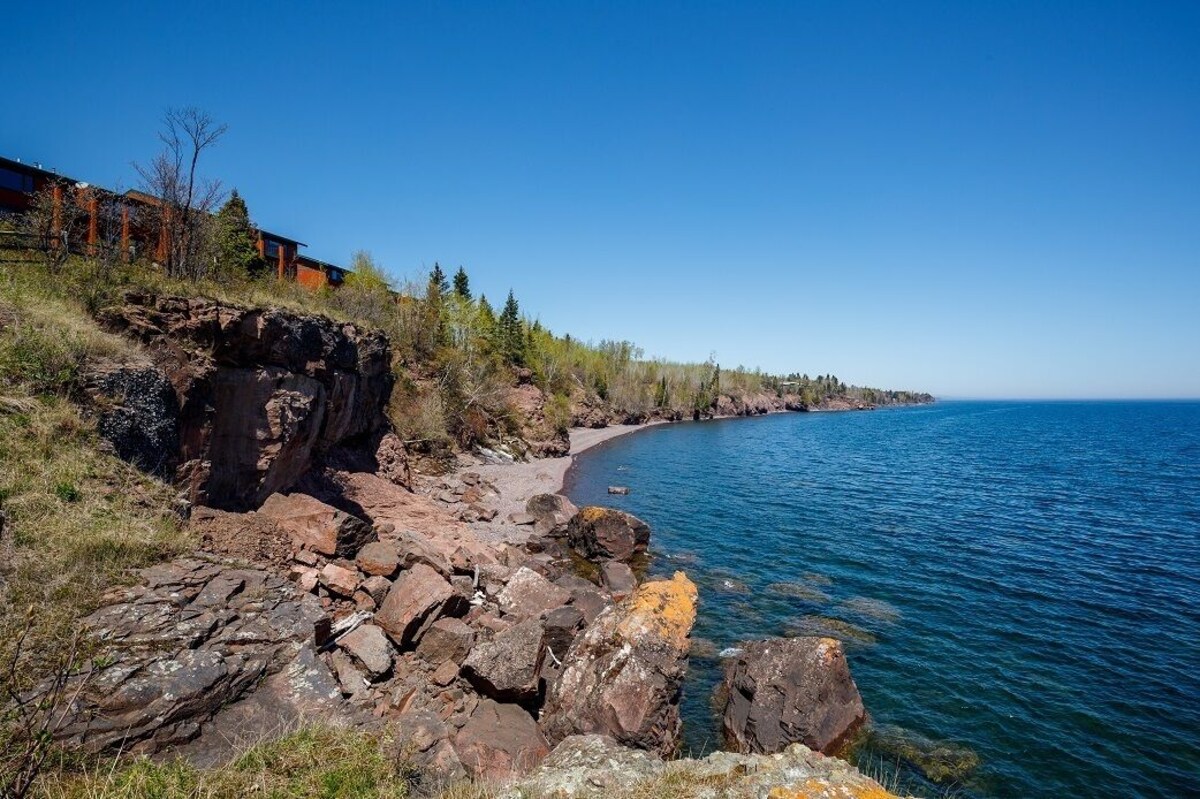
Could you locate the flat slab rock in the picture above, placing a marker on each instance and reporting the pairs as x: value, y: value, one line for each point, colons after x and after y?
x: 597, y: 767
x: 187, y: 647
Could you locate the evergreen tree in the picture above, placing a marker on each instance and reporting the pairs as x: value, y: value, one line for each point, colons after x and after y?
x: 236, y: 250
x: 662, y: 397
x: 510, y: 336
x: 437, y: 278
x: 485, y: 311
x: 462, y: 284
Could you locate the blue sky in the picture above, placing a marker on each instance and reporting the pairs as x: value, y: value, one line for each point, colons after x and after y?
x: 977, y: 199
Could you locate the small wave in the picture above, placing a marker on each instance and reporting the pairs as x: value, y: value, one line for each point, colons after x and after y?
x: 730, y: 652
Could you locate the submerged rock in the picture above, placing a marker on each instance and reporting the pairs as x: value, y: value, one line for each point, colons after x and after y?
x: 622, y: 675
x: 790, y: 690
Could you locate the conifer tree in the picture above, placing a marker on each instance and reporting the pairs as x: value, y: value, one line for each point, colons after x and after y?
x: 509, y: 333
x: 462, y: 284
x: 438, y: 278
x: 237, y: 255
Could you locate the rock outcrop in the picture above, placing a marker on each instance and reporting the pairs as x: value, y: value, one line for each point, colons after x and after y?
x: 790, y: 690
x: 622, y: 676
x: 194, y: 638
x: 607, y: 534
x: 258, y: 395
x: 597, y: 767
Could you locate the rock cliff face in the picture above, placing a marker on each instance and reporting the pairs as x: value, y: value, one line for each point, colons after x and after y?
x: 257, y: 395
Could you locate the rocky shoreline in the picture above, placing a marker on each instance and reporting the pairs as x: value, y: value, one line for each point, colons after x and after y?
x: 493, y: 629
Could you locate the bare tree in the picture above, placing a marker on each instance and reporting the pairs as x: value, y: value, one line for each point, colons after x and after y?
x: 186, y: 201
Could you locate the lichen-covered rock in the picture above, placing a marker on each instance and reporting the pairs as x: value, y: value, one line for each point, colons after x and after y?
x: 317, y: 526
x: 506, y: 668
x: 370, y: 647
x: 622, y: 676
x: 529, y: 594
x: 790, y: 690
x: 499, y: 741
x: 597, y: 767
x: 607, y: 534
x: 138, y: 414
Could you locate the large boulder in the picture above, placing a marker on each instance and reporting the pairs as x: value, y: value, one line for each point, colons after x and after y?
x: 446, y: 639
x: 622, y: 675
x: 790, y: 690
x: 529, y: 594
x: 316, y: 526
x: 260, y: 393
x: 506, y: 667
x: 418, y: 598
x: 551, y: 513
x: 499, y: 741
x: 607, y: 534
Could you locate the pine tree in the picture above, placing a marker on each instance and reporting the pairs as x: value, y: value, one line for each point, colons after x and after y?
x: 462, y: 284
x: 509, y: 333
x: 236, y: 250
x: 437, y: 278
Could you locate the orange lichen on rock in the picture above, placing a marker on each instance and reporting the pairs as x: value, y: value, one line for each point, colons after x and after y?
x: 664, y: 608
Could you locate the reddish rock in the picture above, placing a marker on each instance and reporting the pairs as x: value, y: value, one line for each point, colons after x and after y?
x: 506, y: 667
x: 379, y: 558
x: 618, y: 579
x: 790, y: 690
x: 377, y: 587
x: 446, y: 640
x: 622, y: 675
x: 257, y: 394
x: 562, y: 626
x: 370, y: 648
x: 339, y: 580
x: 317, y: 526
x: 418, y: 598
x: 529, y: 594
x: 606, y: 534
x: 499, y: 741
x: 551, y: 513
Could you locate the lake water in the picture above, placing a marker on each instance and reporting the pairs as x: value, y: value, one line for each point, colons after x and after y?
x: 1017, y: 584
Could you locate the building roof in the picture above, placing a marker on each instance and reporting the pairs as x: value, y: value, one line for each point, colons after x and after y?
x: 11, y: 163
x: 266, y: 234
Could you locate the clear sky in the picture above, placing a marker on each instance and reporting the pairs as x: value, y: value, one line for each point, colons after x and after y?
x: 977, y: 199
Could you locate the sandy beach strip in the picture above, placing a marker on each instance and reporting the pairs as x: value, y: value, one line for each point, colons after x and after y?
x: 517, y: 482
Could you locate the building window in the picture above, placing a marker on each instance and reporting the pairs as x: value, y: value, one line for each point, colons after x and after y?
x: 14, y: 181
x: 272, y: 249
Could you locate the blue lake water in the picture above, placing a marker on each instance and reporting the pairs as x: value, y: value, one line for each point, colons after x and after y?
x: 1020, y: 580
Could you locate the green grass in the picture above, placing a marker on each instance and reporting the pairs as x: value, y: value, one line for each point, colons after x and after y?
x: 313, y: 763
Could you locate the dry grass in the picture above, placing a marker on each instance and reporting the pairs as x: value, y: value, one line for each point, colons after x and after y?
x: 313, y: 763
x: 77, y: 519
